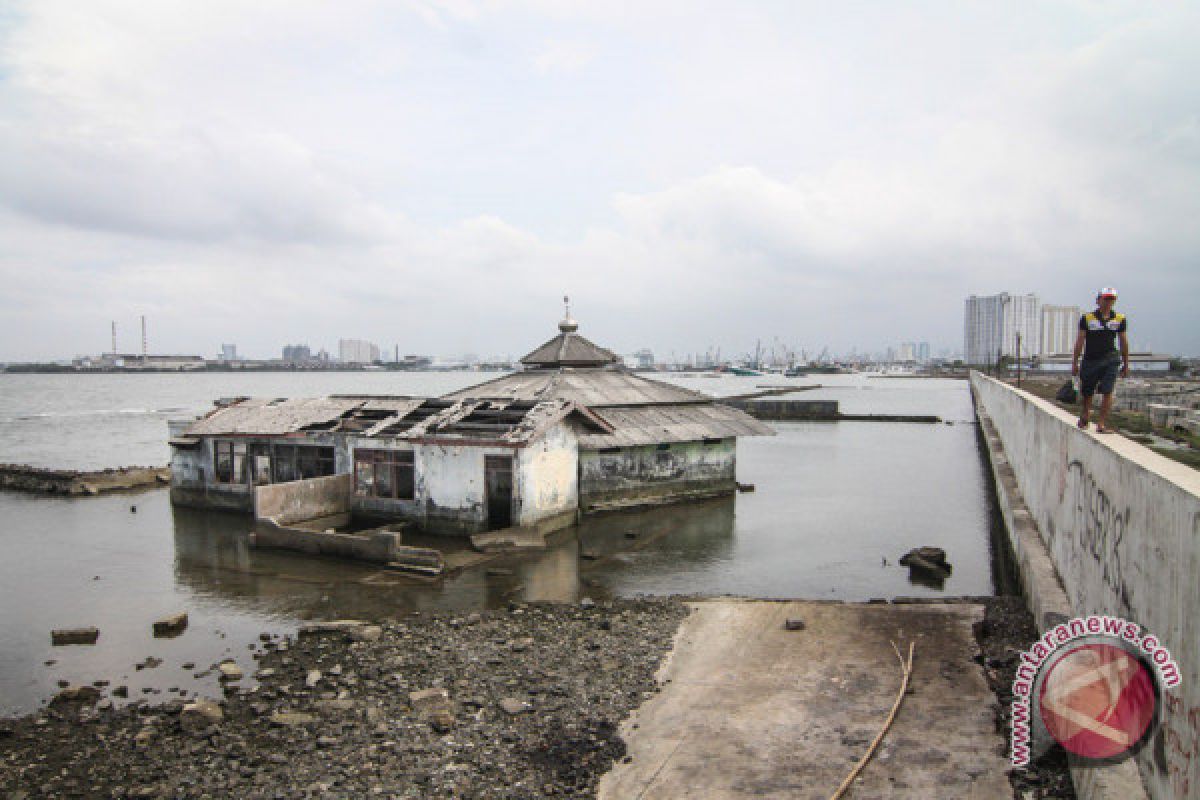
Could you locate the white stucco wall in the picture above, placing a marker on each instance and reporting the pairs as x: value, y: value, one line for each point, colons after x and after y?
x: 1122, y: 525
x: 547, y: 479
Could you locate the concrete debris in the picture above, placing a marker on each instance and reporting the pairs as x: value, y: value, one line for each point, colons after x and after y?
x: 927, y: 559
x: 172, y: 625
x: 64, y: 636
x: 230, y: 671
x: 290, y: 719
x: 86, y: 695
x: 200, y: 715
x: 514, y: 706
x: 794, y: 624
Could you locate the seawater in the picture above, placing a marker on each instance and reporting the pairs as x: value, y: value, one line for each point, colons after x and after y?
x: 835, y: 505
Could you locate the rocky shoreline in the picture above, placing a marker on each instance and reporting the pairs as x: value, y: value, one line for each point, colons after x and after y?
x: 78, y: 483
x: 522, y: 702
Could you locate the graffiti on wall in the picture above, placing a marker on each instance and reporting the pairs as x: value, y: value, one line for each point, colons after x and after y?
x: 1099, y: 525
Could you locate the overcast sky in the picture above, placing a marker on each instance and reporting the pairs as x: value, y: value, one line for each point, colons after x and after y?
x: 438, y: 175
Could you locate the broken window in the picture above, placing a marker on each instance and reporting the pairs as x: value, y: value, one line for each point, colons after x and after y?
x: 384, y: 473
x: 229, y: 461
x: 298, y: 462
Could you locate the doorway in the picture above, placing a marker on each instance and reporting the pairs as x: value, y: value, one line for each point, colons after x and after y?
x: 498, y: 491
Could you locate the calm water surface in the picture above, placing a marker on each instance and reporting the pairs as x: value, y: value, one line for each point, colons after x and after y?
x: 836, y: 504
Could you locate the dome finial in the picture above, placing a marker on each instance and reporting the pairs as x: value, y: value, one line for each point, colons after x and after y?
x: 568, y: 325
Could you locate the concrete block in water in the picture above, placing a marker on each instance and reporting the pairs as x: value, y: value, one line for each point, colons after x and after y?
x: 64, y: 636
x: 172, y: 625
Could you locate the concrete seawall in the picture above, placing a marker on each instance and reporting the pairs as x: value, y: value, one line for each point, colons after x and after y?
x: 1100, y: 524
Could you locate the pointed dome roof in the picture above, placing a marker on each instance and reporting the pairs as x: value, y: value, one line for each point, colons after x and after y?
x: 569, y: 349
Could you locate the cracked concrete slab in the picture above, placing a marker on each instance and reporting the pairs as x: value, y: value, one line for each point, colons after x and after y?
x: 750, y: 709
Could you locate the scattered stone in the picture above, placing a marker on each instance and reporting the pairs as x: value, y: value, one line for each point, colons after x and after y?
x: 150, y: 663
x: 312, y: 678
x: 64, y: 636
x: 290, y: 719
x: 514, y: 706
x: 200, y: 715
x: 794, y: 624
x: 121, y: 691
x: 334, y: 626
x: 172, y: 625
x: 230, y: 671
x: 428, y: 698
x: 926, y: 558
x: 81, y: 695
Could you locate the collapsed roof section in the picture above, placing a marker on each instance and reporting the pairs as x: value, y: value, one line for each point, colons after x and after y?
x: 487, y: 421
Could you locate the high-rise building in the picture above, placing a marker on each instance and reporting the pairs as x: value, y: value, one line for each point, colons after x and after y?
x: 296, y: 353
x: 992, y: 323
x: 357, y: 351
x: 1059, y: 326
x: 229, y: 352
x: 923, y: 354
x: 906, y: 352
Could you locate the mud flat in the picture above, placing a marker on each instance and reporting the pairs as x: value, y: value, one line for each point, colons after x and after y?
x: 76, y: 483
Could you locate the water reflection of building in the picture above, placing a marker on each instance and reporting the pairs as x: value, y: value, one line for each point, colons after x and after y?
x: 212, y: 559
x: 573, y: 432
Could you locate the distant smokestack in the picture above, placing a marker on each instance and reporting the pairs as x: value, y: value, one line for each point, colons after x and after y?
x: 114, y: 337
x: 143, y: 337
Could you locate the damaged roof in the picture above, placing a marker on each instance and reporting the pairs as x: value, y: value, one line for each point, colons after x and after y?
x: 498, y: 420
x: 258, y: 415
x: 644, y: 425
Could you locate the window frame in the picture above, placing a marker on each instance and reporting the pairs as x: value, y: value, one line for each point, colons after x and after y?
x: 378, y: 467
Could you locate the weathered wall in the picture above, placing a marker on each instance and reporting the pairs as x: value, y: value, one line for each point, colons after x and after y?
x: 192, y: 484
x: 450, y: 485
x: 1122, y: 526
x: 547, y: 476
x: 294, y: 501
x: 380, y: 547
x: 633, y: 475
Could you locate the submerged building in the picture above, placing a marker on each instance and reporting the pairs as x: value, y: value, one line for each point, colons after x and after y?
x: 573, y: 432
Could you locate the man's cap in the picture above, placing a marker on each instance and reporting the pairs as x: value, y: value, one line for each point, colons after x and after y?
x: 1108, y: 291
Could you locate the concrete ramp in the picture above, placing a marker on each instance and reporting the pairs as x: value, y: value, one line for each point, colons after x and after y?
x: 749, y: 709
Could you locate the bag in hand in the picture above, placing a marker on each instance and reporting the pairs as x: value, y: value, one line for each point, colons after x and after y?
x: 1067, y: 393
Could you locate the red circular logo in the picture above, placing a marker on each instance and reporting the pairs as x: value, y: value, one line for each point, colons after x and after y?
x: 1098, y: 700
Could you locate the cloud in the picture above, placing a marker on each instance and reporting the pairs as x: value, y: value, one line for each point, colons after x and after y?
x: 560, y: 56
x: 438, y: 176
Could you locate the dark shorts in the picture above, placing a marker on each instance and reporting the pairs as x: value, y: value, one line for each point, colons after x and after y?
x: 1098, y: 376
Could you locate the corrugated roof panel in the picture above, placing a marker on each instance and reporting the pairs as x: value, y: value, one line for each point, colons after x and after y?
x: 587, y: 387
x: 271, y: 417
x: 656, y: 424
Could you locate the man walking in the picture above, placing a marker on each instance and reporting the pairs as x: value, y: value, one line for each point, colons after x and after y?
x: 1099, y: 333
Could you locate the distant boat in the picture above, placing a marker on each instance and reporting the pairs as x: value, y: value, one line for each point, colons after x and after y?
x: 744, y: 371
x: 815, y: 369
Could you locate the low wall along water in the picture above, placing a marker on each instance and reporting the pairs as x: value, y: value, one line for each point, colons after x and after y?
x: 1121, y: 525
